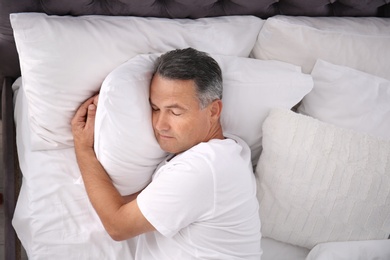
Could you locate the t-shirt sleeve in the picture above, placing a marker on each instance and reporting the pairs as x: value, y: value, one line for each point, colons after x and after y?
x: 181, y: 194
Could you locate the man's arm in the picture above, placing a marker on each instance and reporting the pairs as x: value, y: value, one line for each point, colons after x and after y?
x: 120, y: 216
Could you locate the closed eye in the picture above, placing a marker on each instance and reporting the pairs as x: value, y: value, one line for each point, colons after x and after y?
x: 176, y: 114
x: 154, y: 108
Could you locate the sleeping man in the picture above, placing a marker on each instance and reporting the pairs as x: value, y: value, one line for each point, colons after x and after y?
x: 201, y: 202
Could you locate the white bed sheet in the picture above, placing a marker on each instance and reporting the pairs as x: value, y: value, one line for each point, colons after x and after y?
x: 53, y: 217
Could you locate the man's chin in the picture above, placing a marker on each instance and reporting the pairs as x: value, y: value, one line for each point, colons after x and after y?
x: 165, y: 147
x: 170, y: 149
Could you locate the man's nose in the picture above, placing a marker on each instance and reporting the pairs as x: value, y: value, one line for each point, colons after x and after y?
x: 161, y: 122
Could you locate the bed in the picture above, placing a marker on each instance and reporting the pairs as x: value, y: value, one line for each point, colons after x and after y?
x: 306, y: 85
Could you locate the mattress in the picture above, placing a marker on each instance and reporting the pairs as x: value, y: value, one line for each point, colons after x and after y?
x: 54, y: 218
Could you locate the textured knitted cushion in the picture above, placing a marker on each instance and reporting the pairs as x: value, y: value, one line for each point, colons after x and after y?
x: 320, y: 183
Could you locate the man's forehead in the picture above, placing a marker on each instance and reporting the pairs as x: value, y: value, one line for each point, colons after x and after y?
x: 166, y: 88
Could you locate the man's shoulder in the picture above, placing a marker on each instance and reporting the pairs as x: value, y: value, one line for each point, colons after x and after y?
x: 218, y: 149
x: 231, y: 144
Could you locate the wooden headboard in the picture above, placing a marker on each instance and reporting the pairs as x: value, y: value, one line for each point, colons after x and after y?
x: 9, y: 62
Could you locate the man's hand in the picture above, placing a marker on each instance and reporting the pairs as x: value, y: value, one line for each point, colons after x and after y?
x: 83, y: 124
x: 120, y: 216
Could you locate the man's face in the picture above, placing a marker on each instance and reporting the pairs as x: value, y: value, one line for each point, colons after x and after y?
x: 178, y: 121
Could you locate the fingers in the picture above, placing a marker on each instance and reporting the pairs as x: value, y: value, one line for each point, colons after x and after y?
x: 96, y: 100
x: 83, y: 124
x: 89, y: 101
x: 86, y: 110
x: 91, y: 113
x: 81, y: 112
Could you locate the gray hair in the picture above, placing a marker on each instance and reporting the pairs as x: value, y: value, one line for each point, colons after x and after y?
x: 191, y: 64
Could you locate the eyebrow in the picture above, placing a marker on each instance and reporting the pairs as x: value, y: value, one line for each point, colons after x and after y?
x: 175, y: 105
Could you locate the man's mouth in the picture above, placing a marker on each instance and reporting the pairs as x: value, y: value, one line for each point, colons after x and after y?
x: 165, y: 136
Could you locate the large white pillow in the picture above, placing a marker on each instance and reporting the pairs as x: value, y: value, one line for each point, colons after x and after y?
x: 65, y: 59
x: 357, y: 42
x: 321, y: 183
x: 349, y: 98
x: 125, y: 142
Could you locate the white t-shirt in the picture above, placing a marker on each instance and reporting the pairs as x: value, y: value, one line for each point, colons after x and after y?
x: 203, y: 205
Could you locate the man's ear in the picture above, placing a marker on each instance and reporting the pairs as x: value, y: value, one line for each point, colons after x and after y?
x: 216, y: 109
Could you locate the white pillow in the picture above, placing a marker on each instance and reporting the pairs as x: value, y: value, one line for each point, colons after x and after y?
x: 125, y: 142
x: 349, y: 98
x: 321, y: 183
x: 65, y: 59
x: 251, y: 88
x: 357, y: 42
x: 356, y: 250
